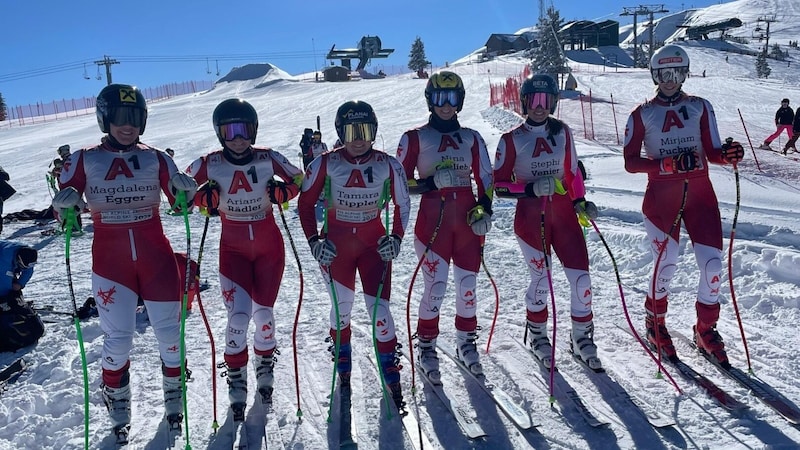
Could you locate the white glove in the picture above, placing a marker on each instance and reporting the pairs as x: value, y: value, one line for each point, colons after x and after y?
x: 389, y: 247
x: 445, y: 178
x: 323, y: 250
x: 479, y: 220
x: 182, y: 182
x: 68, y: 198
x: 543, y: 187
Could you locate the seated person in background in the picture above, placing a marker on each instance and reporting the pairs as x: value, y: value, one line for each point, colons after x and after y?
x: 20, y: 325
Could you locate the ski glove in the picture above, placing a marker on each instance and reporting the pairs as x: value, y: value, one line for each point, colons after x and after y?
x: 585, y: 211
x: 683, y: 162
x: 280, y: 192
x: 542, y: 187
x: 207, y: 198
x: 323, y: 250
x: 180, y: 182
x: 479, y: 220
x: 68, y: 198
x: 389, y: 247
x: 732, y: 151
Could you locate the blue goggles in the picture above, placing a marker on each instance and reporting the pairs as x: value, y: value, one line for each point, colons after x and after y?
x: 441, y: 97
x: 231, y: 131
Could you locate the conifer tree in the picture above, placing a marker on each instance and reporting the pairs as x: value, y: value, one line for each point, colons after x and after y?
x: 3, y: 111
x: 416, y: 58
x: 548, y: 57
x: 762, y: 66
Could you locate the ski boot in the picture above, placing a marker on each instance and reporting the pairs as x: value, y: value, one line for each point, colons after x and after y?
x: 264, y: 376
x: 467, y: 351
x: 706, y: 337
x: 173, y: 402
x: 237, y: 391
x: 658, y: 336
x: 390, y: 367
x: 540, y: 344
x: 765, y: 146
x: 428, y: 360
x: 118, y: 403
x: 344, y: 365
x: 583, y: 346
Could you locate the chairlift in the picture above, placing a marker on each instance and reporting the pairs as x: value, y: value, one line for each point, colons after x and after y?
x: 99, y: 76
x: 217, y: 67
x: 86, y: 73
x: 208, y: 68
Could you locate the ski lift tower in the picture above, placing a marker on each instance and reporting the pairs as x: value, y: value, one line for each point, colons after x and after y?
x: 368, y: 47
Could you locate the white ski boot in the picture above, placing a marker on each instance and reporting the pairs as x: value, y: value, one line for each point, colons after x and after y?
x: 582, y: 344
x: 237, y: 391
x: 467, y: 351
x: 173, y: 402
x: 428, y: 360
x: 265, y: 377
x: 118, y: 403
x: 539, y: 343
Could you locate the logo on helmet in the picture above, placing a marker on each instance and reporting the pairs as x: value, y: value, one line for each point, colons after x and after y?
x: 671, y: 59
x: 355, y: 115
x: 127, y: 95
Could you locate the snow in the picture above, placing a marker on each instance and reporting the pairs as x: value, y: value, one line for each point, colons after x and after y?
x: 44, y: 408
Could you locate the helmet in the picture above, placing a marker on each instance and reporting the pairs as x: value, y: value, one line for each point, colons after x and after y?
x: 317, y: 135
x: 63, y: 151
x: 444, y: 82
x: 362, y: 118
x: 539, y: 83
x: 669, y: 57
x: 121, y: 102
x: 235, y: 110
x: 786, y: 100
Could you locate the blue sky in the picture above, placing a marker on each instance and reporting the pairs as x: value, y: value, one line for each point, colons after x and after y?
x: 158, y: 42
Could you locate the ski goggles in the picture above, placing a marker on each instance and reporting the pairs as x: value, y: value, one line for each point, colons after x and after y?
x: 670, y: 74
x: 359, y: 131
x: 124, y: 115
x: 231, y: 131
x: 441, y: 97
x: 539, y: 99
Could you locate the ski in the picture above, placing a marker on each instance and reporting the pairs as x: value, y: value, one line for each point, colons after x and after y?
x: 239, y: 432
x: 409, y: 417
x: 12, y: 372
x: 347, y: 426
x: 687, y: 372
x: 272, y: 428
x: 511, y: 409
x: 464, y: 415
x: 591, y: 418
x: 608, y: 379
x: 761, y: 390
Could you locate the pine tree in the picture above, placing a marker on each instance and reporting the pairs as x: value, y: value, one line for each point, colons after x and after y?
x: 416, y: 58
x: 3, y: 111
x: 762, y: 66
x: 548, y: 56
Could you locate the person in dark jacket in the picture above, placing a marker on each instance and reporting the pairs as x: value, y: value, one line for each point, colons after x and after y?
x: 784, y: 117
x: 20, y: 326
x: 795, y: 133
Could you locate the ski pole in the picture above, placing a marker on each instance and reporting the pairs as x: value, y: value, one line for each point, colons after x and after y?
x: 69, y: 222
x: 652, y: 297
x: 214, y: 423
x: 496, y: 295
x: 182, y: 203
x: 383, y: 203
x: 297, y: 314
x: 624, y: 303
x: 730, y: 261
x: 334, y: 299
x: 744, y: 127
x: 552, y: 301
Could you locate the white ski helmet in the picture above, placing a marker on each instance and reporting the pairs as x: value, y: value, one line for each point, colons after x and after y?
x: 668, y: 57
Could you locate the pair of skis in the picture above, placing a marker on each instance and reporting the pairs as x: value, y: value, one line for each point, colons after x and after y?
x: 11, y: 373
x: 272, y: 433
